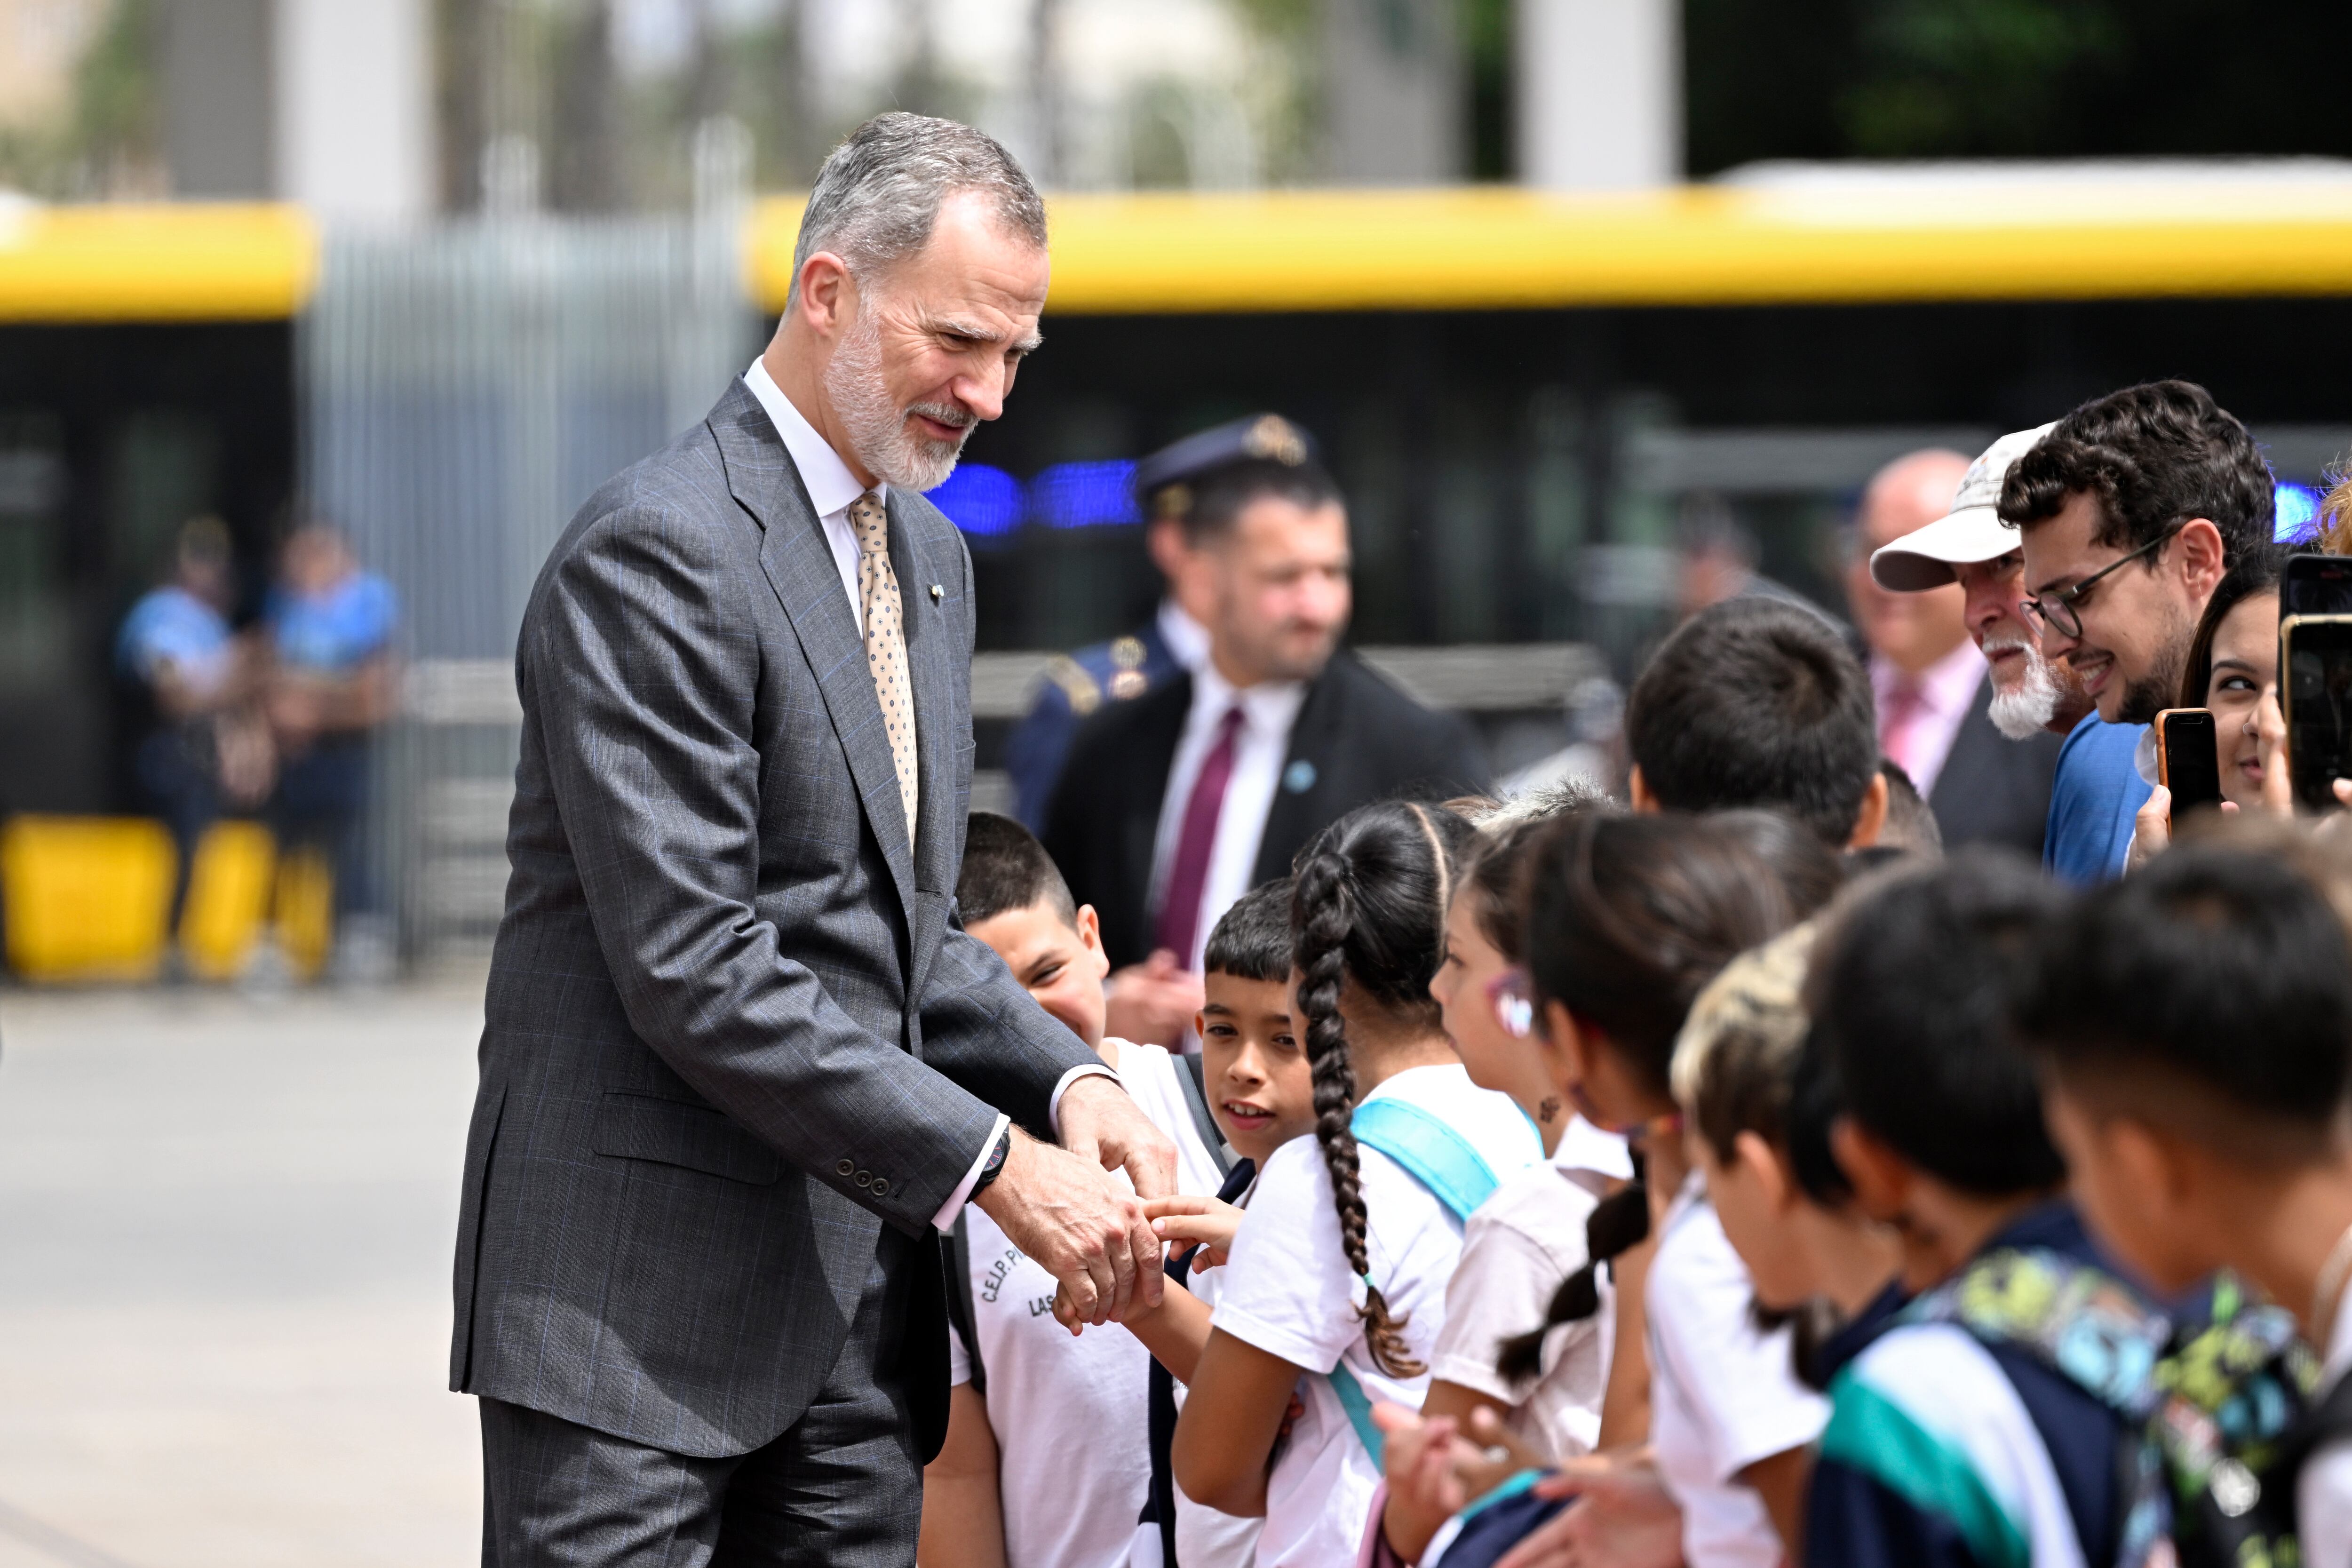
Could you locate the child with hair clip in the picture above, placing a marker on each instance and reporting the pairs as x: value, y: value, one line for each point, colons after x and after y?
x: 1547, y: 1384
x: 1334, y: 1293
x: 1628, y: 919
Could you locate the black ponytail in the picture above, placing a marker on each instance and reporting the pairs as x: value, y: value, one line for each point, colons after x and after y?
x: 1368, y: 916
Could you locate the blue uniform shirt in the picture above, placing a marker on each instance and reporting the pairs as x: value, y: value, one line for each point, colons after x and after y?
x: 336, y: 632
x: 2094, y: 796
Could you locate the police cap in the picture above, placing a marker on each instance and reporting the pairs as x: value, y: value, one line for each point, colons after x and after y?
x: 1164, y: 480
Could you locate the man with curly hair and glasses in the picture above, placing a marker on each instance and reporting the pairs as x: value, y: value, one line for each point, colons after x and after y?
x: 2131, y: 508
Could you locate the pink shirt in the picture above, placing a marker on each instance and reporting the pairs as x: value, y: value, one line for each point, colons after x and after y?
x: 1920, y: 716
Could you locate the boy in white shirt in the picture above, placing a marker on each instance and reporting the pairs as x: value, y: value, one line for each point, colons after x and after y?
x: 1046, y: 1462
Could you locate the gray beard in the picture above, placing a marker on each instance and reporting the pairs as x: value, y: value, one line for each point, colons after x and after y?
x: 877, y: 427
x: 2026, y: 711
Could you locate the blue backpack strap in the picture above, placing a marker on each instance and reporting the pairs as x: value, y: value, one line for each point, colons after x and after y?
x: 1456, y: 1174
x: 1359, y: 1407
x: 1431, y: 1151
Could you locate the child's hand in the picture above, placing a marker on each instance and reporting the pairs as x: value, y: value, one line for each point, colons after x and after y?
x: 1182, y: 1220
x: 1623, y: 1516
x: 1065, y: 1312
x: 1423, y: 1460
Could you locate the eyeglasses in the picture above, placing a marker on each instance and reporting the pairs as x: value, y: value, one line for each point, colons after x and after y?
x: 1513, y: 1004
x: 2062, y: 611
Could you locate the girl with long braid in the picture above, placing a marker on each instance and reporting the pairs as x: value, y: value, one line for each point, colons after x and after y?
x: 1334, y: 1290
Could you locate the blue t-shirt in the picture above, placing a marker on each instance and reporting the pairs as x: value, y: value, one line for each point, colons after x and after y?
x: 172, y: 626
x: 2094, y: 796
x: 335, y: 632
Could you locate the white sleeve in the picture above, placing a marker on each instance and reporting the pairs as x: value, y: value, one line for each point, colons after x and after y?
x: 1501, y: 1288
x: 1286, y: 1289
x: 959, y: 1359
x: 1743, y: 1392
x: 2323, y: 1506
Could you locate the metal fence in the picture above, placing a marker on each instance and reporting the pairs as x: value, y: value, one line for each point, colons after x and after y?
x: 463, y: 391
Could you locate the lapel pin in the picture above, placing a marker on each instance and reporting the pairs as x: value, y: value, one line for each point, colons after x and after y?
x: 936, y: 591
x: 1299, y: 776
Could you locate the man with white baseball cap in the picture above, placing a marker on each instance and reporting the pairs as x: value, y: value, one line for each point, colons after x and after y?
x: 2035, y: 699
x: 1983, y: 788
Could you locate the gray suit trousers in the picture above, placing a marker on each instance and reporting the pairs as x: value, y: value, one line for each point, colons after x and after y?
x: 843, y: 1485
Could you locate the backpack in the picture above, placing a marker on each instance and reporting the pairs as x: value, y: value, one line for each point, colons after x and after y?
x: 2204, y: 1404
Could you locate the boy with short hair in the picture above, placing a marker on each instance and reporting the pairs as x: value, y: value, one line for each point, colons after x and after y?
x: 1954, y: 1436
x: 2197, y: 1020
x: 1046, y: 1462
x: 1758, y: 702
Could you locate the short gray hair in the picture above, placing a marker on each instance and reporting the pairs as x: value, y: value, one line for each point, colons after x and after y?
x: 879, y: 194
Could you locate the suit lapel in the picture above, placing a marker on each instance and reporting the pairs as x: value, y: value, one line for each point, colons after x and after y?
x: 1311, y: 760
x: 800, y: 568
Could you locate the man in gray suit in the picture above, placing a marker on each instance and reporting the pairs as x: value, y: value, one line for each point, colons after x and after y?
x: 740, y: 1066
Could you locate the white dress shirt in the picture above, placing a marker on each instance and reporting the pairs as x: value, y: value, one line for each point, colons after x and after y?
x: 1187, y: 640
x: 831, y: 490
x: 1268, y: 710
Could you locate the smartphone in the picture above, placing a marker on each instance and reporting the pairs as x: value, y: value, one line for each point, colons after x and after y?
x: 2188, y: 760
x: 2315, y: 586
x: 2316, y: 654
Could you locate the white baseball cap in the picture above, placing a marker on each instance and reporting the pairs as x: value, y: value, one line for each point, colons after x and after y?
x: 1971, y: 532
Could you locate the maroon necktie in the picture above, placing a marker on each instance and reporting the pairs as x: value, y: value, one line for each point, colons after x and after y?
x: 1179, y: 908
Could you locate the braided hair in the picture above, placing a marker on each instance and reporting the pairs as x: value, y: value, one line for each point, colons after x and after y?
x: 1368, y: 916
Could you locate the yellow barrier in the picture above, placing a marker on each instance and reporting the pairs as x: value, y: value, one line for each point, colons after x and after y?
x: 155, y: 261
x: 1497, y: 248
x: 87, y: 898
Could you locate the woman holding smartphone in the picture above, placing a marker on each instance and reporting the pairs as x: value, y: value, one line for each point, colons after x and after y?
x: 2231, y: 670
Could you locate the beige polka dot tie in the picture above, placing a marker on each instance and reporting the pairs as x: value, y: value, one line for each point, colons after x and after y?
x: 886, y: 640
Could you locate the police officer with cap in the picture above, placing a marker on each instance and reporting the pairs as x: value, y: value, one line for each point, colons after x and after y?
x: 1174, y: 641
x: 1176, y: 801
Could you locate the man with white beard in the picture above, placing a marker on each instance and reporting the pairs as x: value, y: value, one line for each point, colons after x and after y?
x: 1948, y: 710
x: 2034, y: 698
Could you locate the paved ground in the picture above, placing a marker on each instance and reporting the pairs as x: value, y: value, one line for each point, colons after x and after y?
x: 224, y: 1231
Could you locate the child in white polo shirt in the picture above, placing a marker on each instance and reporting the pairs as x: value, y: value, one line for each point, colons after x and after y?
x: 1046, y: 1462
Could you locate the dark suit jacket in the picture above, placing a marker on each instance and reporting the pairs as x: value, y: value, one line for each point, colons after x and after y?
x: 1360, y: 739
x: 1994, y: 790
x: 732, y: 1028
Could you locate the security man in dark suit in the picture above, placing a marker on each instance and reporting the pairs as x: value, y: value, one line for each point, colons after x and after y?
x: 1173, y: 640
x: 1176, y: 803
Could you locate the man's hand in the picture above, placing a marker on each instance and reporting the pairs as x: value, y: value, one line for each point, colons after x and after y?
x: 1151, y: 1002
x: 1099, y: 1124
x: 1063, y: 1210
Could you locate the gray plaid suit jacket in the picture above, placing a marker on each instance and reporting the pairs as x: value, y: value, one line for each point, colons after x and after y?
x: 734, y: 1027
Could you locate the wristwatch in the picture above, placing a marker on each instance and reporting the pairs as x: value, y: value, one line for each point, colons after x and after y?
x: 994, y: 1166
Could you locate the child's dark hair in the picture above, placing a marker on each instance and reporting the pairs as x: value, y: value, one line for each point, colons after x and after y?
x: 1493, y: 875
x: 1368, y: 916
x: 1913, y: 994
x: 1251, y: 938
x: 1810, y: 870
x: 1735, y: 1060
x: 1004, y: 867
x: 2213, y: 989
x: 1910, y: 828
x: 1757, y: 702
x: 1628, y: 916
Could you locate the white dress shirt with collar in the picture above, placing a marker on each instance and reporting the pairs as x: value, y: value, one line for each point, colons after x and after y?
x: 831, y: 490
x: 1269, y: 710
x: 1187, y: 640
x: 1947, y: 691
